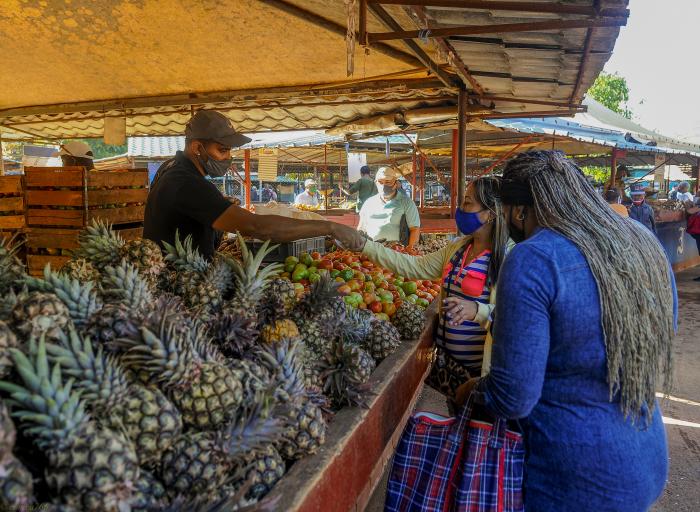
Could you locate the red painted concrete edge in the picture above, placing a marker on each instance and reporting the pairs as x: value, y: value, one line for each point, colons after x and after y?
x: 684, y: 265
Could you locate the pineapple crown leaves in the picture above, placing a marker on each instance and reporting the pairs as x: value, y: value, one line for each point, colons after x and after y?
x: 221, y: 273
x: 322, y: 292
x: 203, y: 345
x: 81, y: 299
x: 355, y: 327
x: 282, y: 361
x: 12, y: 270
x: 250, y: 278
x: 99, y: 243
x: 183, y: 256
x: 45, y: 401
x: 340, y: 381
x: 168, y: 355
x: 100, y: 378
x: 124, y: 283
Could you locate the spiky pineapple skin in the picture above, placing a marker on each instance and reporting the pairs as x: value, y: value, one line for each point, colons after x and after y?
x: 306, y: 431
x: 266, y: 468
x: 12, y: 270
x: 94, y: 469
x: 146, y: 256
x: 8, y: 341
x: 383, y: 339
x: 283, y: 293
x: 80, y: 269
x: 194, y: 465
x: 16, y: 484
x: 211, y: 399
x: 40, y: 313
x: 111, y: 322
x: 149, y: 493
x: 281, y: 329
x: 196, y: 291
x: 409, y: 319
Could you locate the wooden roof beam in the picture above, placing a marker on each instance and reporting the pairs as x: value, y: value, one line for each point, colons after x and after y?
x: 492, y: 29
x: 454, y: 59
x: 534, y: 7
x: 391, y: 24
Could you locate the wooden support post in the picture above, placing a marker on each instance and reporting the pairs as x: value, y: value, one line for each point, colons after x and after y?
x: 325, y: 170
x: 413, y: 176
x: 2, y: 158
x: 246, y: 168
x: 453, y: 181
x: 613, y: 170
x: 422, y: 181
x: 462, y: 147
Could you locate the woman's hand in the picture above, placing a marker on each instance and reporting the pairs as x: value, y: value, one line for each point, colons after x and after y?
x: 459, y: 310
x: 349, y: 238
x: 463, y: 391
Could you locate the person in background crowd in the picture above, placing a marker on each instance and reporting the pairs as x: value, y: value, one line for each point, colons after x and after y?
x: 309, y: 196
x: 182, y: 201
x: 621, y: 173
x: 382, y: 215
x: 612, y: 196
x: 684, y: 193
x: 572, y: 357
x: 364, y: 187
x: 273, y: 193
x: 75, y: 153
x: 641, y: 211
x: 693, y: 227
x: 254, y: 195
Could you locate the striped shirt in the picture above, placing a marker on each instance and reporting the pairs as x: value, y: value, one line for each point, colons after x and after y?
x: 464, y: 342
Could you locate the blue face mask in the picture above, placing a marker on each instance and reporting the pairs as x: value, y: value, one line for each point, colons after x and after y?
x: 468, y: 222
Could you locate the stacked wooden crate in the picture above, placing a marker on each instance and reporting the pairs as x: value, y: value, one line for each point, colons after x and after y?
x: 60, y: 201
x: 11, y: 205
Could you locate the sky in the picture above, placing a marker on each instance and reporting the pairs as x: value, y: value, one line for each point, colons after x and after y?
x: 658, y: 52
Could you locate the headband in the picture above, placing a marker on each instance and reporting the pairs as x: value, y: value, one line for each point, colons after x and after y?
x: 516, y: 192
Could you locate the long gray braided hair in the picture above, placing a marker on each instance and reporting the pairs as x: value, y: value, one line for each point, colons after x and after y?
x: 628, y: 264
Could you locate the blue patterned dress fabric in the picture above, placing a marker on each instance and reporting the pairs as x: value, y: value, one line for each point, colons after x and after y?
x: 465, y: 342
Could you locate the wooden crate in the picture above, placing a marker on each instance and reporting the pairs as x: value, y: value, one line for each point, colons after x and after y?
x: 54, y: 245
x: 72, y: 196
x: 11, y: 205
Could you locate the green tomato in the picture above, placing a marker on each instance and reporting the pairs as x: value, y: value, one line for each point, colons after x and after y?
x: 314, y: 277
x: 289, y: 267
x: 412, y: 298
x: 300, y: 272
x: 291, y: 260
x: 422, y: 303
x: 398, y: 282
x: 385, y: 296
x: 350, y: 301
x: 306, y: 259
x: 347, y: 274
x: 368, y: 278
x: 401, y: 293
x: 335, y: 273
x: 410, y: 287
x: 313, y: 270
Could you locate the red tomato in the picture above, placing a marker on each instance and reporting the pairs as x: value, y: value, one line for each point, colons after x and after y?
x: 348, y: 260
x: 325, y: 264
x: 388, y: 308
x: 354, y: 285
x: 315, y: 255
x: 339, y: 266
x: 376, y: 307
x: 362, y: 305
x: 344, y: 290
x: 369, y: 297
x: 392, y: 287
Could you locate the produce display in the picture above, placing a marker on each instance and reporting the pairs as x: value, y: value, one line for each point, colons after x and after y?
x: 363, y: 284
x: 133, y: 380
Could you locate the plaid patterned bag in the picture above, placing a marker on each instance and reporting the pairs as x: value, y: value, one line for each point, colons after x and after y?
x: 456, y: 465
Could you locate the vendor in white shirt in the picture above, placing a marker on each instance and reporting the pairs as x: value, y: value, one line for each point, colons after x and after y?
x: 683, y: 193
x: 309, y: 197
x: 380, y: 216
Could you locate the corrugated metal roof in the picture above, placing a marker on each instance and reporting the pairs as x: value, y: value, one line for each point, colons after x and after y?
x: 281, y: 64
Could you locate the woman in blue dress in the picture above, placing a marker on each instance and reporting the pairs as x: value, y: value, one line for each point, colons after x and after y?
x: 582, y: 329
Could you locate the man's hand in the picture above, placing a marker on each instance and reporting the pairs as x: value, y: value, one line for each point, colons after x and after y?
x: 459, y: 310
x: 348, y: 237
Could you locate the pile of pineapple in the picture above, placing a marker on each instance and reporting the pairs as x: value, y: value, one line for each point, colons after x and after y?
x: 134, y: 380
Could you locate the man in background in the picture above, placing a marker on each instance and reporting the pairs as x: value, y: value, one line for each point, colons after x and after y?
x: 641, y: 211
x: 309, y: 197
x: 612, y: 196
x: 75, y: 153
x: 364, y: 187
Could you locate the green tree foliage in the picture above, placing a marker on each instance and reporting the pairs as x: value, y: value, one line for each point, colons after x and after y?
x: 599, y: 174
x: 612, y: 91
x: 102, y: 150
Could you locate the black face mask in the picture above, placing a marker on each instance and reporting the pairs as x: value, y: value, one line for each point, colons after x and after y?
x: 517, y: 234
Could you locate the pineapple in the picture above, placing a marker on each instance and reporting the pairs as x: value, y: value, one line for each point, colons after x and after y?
x: 206, y: 392
x: 264, y: 469
x: 322, y: 304
x: 345, y: 370
x: 81, y: 270
x: 99, y: 245
x: 254, y: 378
x: 8, y: 301
x: 125, y: 284
x: 233, y: 334
x: 251, y: 282
x: 306, y: 429
x: 190, y: 278
x: 149, y: 419
x: 39, y: 313
x: 279, y: 300
x: 12, y: 270
x: 16, y: 486
x: 8, y: 341
x: 89, y: 467
x: 199, y: 462
x: 111, y: 322
x: 355, y: 327
x: 146, y: 257
x: 149, y: 493
x: 409, y: 319
x: 383, y: 339
x: 80, y: 298
x: 279, y: 330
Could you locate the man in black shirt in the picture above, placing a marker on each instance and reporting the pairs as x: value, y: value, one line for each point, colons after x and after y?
x: 182, y: 200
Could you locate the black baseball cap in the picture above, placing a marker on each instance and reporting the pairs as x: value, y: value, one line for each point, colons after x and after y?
x: 213, y: 125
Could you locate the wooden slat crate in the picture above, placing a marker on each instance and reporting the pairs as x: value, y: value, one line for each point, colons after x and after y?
x: 54, y: 245
x: 11, y: 205
x: 72, y: 196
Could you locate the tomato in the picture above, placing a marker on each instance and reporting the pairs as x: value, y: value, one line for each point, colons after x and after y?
x: 348, y: 260
x: 325, y: 264
x: 388, y: 308
x: 369, y: 298
x: 370, y: 287
x: 335, y: 273
x: 376, y: 307
x: 383, y: 285
x: 362, y: 305
x: 316, y: 255
x: 391, y: 287
x: 339, y: 266
x: 422, y: 303
x: 347, y: 274
x: 354, y: 284
x: 304, y: 282
x: 291, y: 260
x: 412, y: 298
x: 367, y: 264
x: 344, y: 290
x: 359, y: 276
x: 338, y: 279
x: 409, y: 287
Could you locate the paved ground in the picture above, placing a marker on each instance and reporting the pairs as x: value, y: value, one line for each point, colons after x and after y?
x: 681, y: 412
